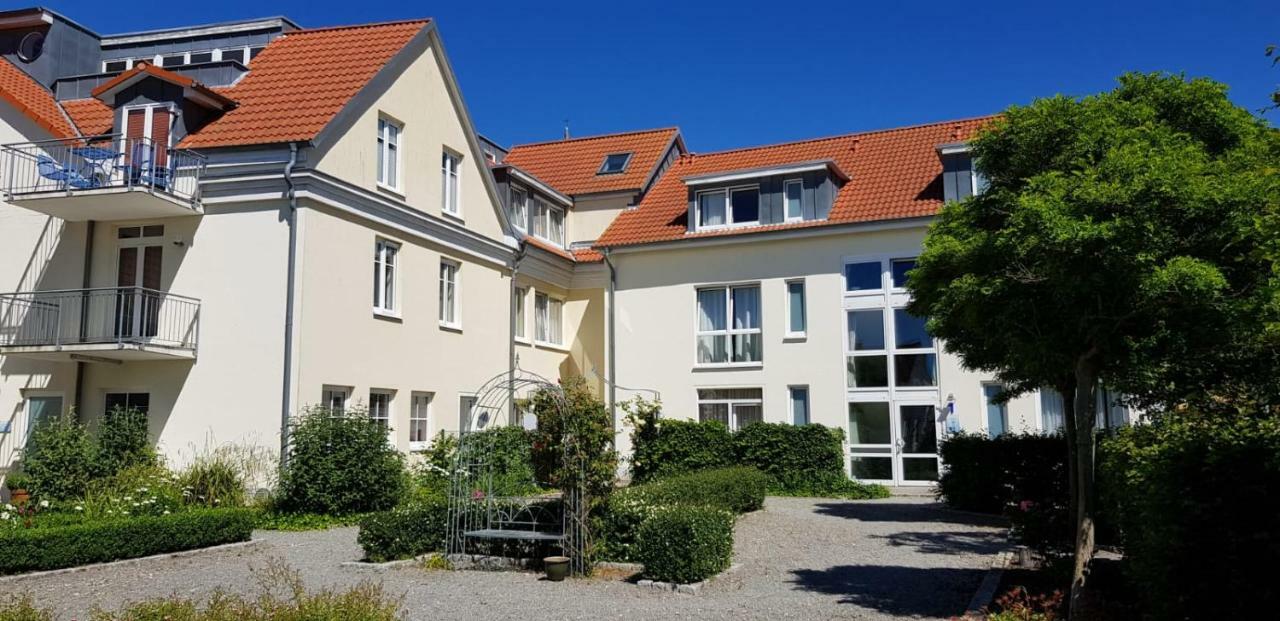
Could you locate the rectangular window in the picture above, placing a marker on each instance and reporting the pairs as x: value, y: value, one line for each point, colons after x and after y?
x: 711, y: 209
x: 467, y: 403
x: 236, y: 55
x: 419, y: 421
x: 614, y: 163
x: 113, y: 66
x: 868, y: 364
x: 863, y: 276
x: 539, y: 225
x: 519, y: 208
x: 796, y: 321
x: 41, y: 409
x: 728, y: 330
x: 997, y: 413
x: 384, y: 276
x: 799, y: 405
x: 201, y: 57
x: 450, y: 169
x: 735, y: 407
x: 389, y: 153
x: 909, y: 331
x: 254, y: 51
x: 743, y: 207
x: 792, y: 191
x: 380, y: 407
x: 334, y: 398
x: 520, y: 317
x: 899, y: 269
x: 173, y: 61
x: 555, y: 225
x: 548, y: 315
x: 449, y: 314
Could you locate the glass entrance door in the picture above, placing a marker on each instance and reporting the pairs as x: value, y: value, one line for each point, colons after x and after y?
x: 893, y: 442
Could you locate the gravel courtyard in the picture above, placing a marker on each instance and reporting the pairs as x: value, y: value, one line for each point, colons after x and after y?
x: 903, y: 557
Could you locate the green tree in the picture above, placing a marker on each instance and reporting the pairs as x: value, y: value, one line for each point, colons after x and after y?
x: 1117, y: 241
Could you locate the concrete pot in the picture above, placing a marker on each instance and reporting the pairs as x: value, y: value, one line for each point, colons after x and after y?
x: 557, y: 567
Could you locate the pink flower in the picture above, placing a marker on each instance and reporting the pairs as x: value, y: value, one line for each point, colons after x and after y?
x: 477, y: 495
x: 1026, y: 505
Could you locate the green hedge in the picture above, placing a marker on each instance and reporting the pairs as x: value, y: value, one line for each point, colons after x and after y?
x: 990, y: 475
x: 791, y: 453
x: 616, y: 525
x: 685, y: 544
x: 1197, y: 500
x: 404, y: 532
x: 99, y: 542
x: 679, y: 446
x: 340, y: 463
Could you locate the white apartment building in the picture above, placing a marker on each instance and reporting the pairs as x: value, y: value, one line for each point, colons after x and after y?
x: 227, y: 223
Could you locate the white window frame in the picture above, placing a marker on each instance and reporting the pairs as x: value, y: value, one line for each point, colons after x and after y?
x: 451, y: 183
x: 450, y: 307
x: 887, y: 299
x: 986, y: 402
x: 787, y: 217
x: 27, y: 396
x: 543, y: 300
x: 390, y: 137
x: 728, y: 207
x: 804, y: 304
x: 385, y: 305
x: 808, y: 402
x: 328, y: 391
x: 385, y: 419
x: 732, y: 403
x: 729, y: 332
x: 521, y: 334
x: 149, y: 120
x: 420, y: 412
x: 520, y: 209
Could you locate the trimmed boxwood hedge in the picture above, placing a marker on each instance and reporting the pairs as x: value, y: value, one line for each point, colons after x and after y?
x: 99, y: 542
x: 671, y: 447
x: 404, y: 532
x: 685, y: 544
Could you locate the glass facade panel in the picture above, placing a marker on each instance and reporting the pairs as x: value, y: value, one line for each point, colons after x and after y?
x: 869, y: 423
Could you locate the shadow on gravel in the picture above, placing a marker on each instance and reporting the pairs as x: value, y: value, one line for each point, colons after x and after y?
x: 889, y: 511
x: 955, y: 542
x: 909, y: 591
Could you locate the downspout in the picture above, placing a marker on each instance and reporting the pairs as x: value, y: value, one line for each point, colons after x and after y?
x: 85, y: 280
x: 291, y: 220
x: 610, y: 341
x: 511, y: 333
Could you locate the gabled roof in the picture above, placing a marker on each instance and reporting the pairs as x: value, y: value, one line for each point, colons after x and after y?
x: 195, y: 91
x: 301, y: 80
x: 894, y: 174
x: 572, y: 166
x: 33, y: 100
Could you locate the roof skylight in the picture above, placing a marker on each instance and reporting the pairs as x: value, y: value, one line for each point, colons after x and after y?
x: 614, y: 163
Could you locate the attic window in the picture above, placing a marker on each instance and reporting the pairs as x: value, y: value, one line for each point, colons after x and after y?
x: 236, y: 55
x: 113, y: 66
x: 173, y: 61
x: 30, y: 47
x: 201, y: 57
x: 614, y: 163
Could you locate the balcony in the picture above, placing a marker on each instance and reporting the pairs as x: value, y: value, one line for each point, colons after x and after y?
x: 102, y: 178
x: 110, y: 324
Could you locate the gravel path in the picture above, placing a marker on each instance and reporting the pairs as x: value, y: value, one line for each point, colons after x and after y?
x: 799, y: 558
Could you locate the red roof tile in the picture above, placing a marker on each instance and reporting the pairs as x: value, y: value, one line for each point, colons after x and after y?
x: 163, y: 74
x: 577, y: 255
x: 895, y: 173
x: 587, y: 255
x: 300, y: 81
x: 33, y: 100
x: 571, y: 166
x: 91, y: 116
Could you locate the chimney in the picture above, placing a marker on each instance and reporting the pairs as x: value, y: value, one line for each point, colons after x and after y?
x: 566, y: 129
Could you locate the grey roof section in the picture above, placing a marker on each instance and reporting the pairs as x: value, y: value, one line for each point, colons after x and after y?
x: 142, y: 36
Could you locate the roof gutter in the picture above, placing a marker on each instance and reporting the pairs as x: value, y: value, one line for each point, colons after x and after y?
x: 291, y: 219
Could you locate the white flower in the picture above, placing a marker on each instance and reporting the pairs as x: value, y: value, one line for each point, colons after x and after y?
x: 44, y: 504
x: 166, y: 512
x: 79, y: 508
x: 9, y: 507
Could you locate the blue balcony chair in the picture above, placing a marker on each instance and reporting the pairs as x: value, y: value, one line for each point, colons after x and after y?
x: 50, y: 169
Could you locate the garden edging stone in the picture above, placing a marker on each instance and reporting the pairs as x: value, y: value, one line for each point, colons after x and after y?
x: 130, y: 561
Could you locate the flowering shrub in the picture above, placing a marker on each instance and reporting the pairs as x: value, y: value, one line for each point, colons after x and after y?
x: 340, y: 463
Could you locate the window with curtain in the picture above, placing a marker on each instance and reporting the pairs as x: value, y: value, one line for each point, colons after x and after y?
x: 711, y: 209
x: 1051, y: 410
x: 449, y: 293
x: 334, y: 398
x: 792, y: 192
x: 735, y: 407
x: 450, y: 169
x: 555, y: 225
x: 380, y: 407
x: 519, y: 208
x: 539, y: 222
x: 997, y: 413
x: 520, y: 318
x: 389, y: 153
x: 419, y: 421
x: 728, y: 325
x: 548, y: 315
x: 384, y: 275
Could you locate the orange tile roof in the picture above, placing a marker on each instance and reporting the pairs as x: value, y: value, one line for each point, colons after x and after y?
x: 587, y: 255
x: 91, y: 116
x: 895, y: 173
x: 300, y: 81
x: 570, y: 166
x: 577, y: 255
x: 33, y: 100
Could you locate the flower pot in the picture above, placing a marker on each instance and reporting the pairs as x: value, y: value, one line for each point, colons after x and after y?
x: 557, y: 567
x: 19, y: 496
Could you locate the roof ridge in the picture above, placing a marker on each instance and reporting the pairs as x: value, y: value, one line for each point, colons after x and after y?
x: 396, y: 22
x: 596, y: 137
x: 867, y: 132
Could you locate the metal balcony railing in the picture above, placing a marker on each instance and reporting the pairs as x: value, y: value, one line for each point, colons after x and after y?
x: 121, y: 315
x: 78, y: 164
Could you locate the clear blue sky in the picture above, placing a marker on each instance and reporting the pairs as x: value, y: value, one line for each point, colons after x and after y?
x: 742, y: 73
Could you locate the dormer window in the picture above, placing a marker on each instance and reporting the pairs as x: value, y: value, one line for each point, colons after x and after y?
x: 729, y: 207
x: 115, y: 66
x: 614, y: 163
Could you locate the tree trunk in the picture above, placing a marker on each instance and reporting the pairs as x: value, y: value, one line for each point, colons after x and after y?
x: 1085, y: 415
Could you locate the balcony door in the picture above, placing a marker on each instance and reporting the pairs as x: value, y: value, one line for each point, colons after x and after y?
x: 138, y: 270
